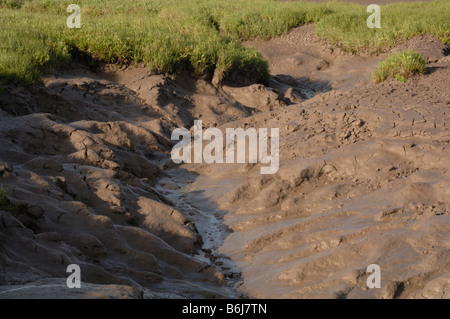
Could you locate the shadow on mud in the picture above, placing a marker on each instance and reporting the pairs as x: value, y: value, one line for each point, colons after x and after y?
x: 305, y: 87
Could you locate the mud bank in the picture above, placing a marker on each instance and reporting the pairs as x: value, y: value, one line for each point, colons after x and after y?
x: 364, y: 178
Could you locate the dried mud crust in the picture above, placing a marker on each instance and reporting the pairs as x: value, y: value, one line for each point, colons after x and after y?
x: 364, y: 179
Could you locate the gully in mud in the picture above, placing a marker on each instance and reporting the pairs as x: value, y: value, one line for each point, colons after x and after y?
x: 213, y: 151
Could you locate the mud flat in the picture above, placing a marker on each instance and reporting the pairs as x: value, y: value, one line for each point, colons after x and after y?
x: 363, y: 179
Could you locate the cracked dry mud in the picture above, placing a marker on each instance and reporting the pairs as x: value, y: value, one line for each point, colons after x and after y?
x: 363, y: 179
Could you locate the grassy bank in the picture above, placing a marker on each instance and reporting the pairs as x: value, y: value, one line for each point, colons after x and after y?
x: 200, y: 35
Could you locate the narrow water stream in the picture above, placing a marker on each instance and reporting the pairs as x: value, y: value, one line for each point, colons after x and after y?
x: 208, y: 219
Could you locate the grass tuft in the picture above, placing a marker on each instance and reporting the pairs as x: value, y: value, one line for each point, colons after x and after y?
x: 400, y: 66
x: 5, y: 203
x: 3, y: 198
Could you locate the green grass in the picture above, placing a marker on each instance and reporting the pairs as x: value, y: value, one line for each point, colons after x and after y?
x: 3, y: 198
x: 169, y: 36
x: 347, y: 28
x: 400, y: 66
x: 5, y: 204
